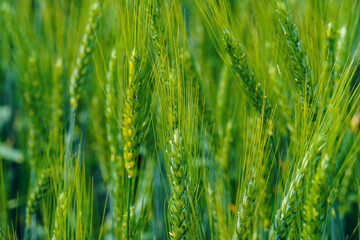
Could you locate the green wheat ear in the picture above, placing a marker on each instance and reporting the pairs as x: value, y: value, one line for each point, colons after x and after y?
x: 316, y: 202
x: 156, y: 31
x: 245, y: 218
x: 33, y: 100
x: 135, y: 117
x: 296, y: 56
x: 40, y: 189
x: 60, y: 217
x: 292, y: 200
x: 110, y: 112
x: 116, y: 159
x: 285, y: 216
x: 179, y: 197
x: 84, y: 56
x: 240, y: 65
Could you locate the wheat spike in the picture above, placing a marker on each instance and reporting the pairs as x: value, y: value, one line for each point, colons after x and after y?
x: 316, y: 208
x: 179, y: 198
x: 295, y: 53
x: 110, y: 112
x: 84, y: 56
x: 40, y: 189
x: 245, y: 219
x: 60, y: 217
x: 241, y: 67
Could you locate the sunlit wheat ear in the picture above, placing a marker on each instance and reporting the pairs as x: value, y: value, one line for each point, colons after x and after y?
x: 135, y: 117
x: 285, y: 216
x: 294, y: 52
x: 245, y: 218
x: 82, y: 65
x: 292, y: 200
x: 39, y: 191
x: 60, y: 217
x: 156, y: 30
x: 240, y: 65
x: 179, y: 202
x: 316, y: 203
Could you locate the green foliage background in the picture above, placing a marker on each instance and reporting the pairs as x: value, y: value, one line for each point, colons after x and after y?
x: 179, y: 119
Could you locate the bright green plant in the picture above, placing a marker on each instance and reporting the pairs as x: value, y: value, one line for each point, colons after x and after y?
x: 161, y: 119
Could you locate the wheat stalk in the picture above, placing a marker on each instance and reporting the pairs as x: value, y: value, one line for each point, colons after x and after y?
x: 125, y: 226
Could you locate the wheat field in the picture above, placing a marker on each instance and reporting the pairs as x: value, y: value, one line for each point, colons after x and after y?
x: 179, y: 119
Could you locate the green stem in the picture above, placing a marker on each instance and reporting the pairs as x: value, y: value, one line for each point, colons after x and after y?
x: 69, y: 138
x: 128, y: 210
